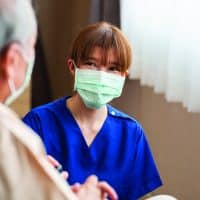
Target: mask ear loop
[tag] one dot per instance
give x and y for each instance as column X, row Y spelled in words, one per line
column 75, row 71
column 12, row 89
column 75, row 66
column 11, row 86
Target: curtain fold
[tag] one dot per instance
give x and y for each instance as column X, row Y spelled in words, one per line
column 104, row 10
column 165, row 36
column 40, row 85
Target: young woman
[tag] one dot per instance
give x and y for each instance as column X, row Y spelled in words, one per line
column 84, row 133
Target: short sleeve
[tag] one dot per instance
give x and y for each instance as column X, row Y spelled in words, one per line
column 33, row 121
column 145, row 175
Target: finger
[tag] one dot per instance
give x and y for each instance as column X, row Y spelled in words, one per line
column 106, row 188
column 105, row 196
column 76, row 187
column 91, row 180
column 65, row 175
column 57, row 166
column 52, row 160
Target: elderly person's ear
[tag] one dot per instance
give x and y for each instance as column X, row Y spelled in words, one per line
column 11, row 59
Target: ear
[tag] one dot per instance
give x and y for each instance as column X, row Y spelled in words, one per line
column 70, row 64
column 10, row 61
column 125, row 74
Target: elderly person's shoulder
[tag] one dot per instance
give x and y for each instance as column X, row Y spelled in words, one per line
column 10, row 122
column 23, row 152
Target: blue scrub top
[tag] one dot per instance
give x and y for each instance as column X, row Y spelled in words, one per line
column 119, row 154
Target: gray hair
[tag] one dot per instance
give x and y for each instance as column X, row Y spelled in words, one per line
column 17, row 22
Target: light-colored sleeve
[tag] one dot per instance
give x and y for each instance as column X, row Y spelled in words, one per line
column 25, row 173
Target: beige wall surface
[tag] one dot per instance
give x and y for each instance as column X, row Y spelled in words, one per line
column 22, row 104
column 174, row 136
column 173, row 133
column 59, row 23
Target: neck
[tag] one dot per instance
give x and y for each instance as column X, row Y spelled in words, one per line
column 4, row 91
column 84, row 114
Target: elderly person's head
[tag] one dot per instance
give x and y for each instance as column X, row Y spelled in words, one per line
column 17, row 39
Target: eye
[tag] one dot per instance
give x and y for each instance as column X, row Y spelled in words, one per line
column 90, row 64
column 114, row 68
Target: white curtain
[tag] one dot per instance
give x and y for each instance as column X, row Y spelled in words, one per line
column 165, row 36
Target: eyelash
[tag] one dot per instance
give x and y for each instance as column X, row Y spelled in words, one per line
column 114, row 68
column 91, row 63
column 110, row 68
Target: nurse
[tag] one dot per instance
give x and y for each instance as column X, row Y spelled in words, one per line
column 87, row 135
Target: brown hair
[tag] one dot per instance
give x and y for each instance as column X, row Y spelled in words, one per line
column 105, row 36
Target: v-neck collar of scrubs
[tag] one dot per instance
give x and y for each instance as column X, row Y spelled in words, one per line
column 97, row 139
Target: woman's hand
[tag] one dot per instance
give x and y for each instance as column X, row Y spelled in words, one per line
column 57, row 166
column 93, row 189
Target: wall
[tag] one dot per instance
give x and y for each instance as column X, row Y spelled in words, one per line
column 174, row 137
column 59, row 24
column 22, row 104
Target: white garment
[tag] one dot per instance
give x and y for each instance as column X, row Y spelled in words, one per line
column 161, row 197
column 25, row 173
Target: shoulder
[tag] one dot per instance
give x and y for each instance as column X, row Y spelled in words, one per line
column 45, row 113
column 17, row 128
column 6, row 112
column 128, row 123
column 119, row 115
column 6, row 116
column 53, row 106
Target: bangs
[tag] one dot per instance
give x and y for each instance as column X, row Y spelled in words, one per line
column 105, row 37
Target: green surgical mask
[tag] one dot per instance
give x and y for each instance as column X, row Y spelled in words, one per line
column 96, row 87
column 17, row 92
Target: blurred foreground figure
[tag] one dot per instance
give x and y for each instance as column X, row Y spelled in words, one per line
column 25, row 172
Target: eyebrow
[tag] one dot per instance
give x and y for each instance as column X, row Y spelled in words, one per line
column 99, row 61
column 93, row 58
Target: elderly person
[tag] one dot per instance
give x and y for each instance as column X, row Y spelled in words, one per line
column 25, row 172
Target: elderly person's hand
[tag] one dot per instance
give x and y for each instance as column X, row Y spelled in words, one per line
column 93, row 189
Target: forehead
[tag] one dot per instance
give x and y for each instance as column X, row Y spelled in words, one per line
column 99, row 54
